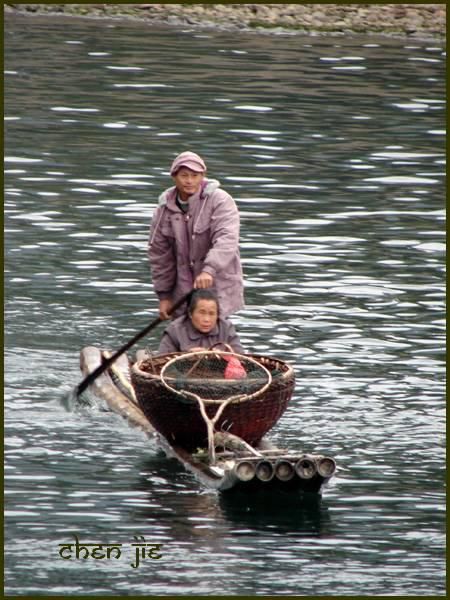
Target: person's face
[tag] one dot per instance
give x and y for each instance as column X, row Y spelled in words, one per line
column 204, row 316
column 188, row 182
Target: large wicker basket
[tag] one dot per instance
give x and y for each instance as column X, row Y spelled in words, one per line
column 179, row 420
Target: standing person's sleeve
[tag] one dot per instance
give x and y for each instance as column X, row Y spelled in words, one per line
column 161, row 256
column 225, row 226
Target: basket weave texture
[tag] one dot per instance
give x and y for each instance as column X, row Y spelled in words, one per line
column 179, row 420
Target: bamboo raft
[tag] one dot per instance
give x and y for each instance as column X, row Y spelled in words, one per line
column 243, row 458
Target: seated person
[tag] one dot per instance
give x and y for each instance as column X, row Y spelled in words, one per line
column 200, row 328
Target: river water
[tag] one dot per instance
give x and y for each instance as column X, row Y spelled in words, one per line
column 334, row 149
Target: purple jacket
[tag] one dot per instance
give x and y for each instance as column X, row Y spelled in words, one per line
column 181, row 336
column 181, row 246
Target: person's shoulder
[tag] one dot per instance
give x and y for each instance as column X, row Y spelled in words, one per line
column 212, row 189
column 167, row 197
column 218, row 197
column 172, row 326
column 225, row 323
column 176, row 323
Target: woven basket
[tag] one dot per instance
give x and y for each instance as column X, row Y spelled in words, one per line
column 179, row 420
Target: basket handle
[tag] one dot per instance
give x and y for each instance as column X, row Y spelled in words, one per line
column 227, row 346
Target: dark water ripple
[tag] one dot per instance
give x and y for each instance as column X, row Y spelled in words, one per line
column 334, row 149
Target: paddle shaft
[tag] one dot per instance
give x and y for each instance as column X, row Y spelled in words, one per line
column 107, row 362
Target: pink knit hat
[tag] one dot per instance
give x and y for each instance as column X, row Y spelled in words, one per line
column 190, row 160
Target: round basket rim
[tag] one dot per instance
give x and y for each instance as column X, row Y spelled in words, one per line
column 285, row 375
column 168, row 355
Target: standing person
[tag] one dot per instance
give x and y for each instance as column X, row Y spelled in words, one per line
column 200, row 328
column 194, row 239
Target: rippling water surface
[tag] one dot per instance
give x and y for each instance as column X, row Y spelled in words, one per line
column 334, row 149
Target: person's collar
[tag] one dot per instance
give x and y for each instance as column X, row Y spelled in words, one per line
column 182, row 204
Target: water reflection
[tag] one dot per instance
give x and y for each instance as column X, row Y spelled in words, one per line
column 296, row 515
